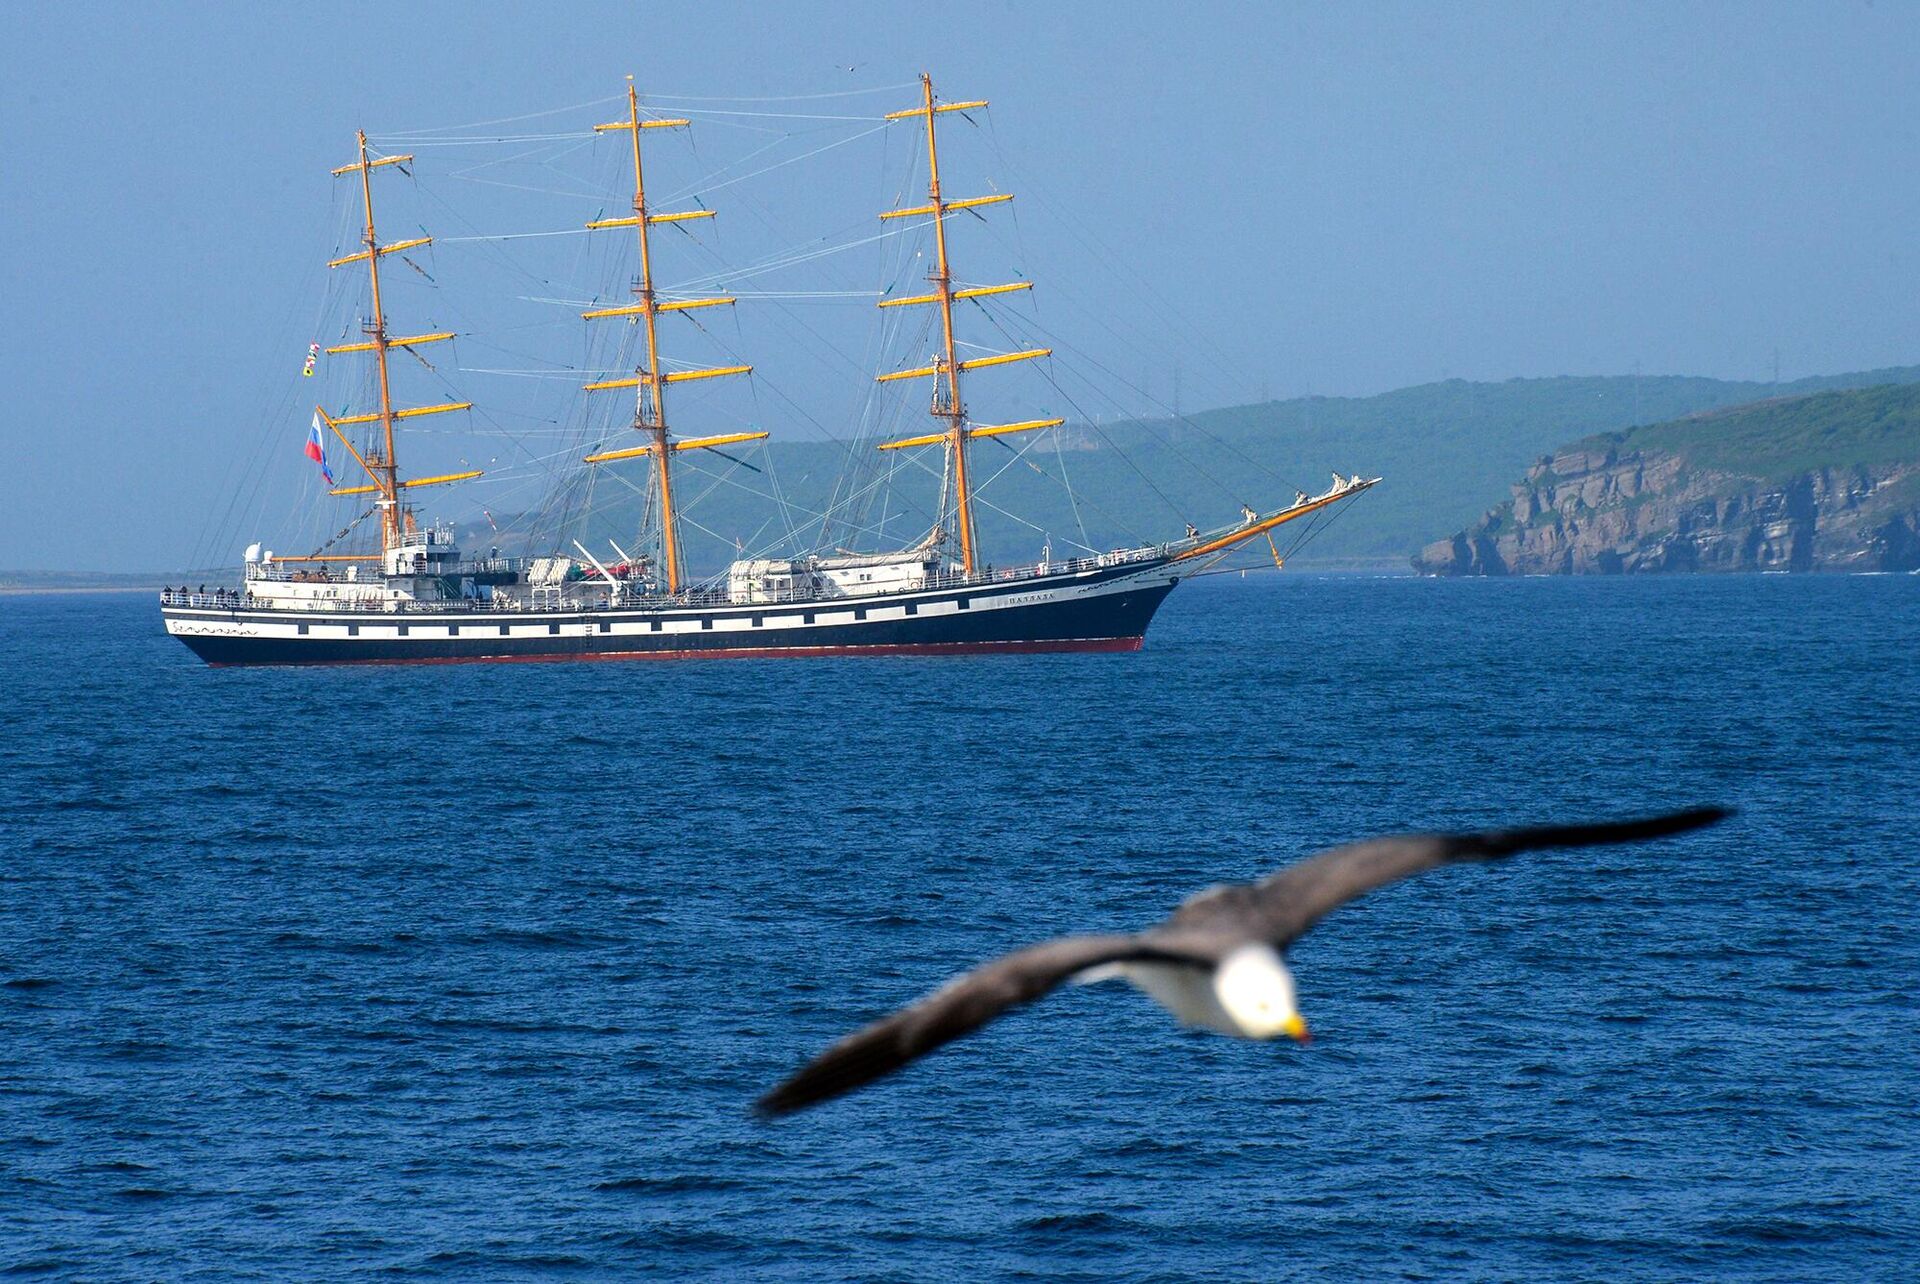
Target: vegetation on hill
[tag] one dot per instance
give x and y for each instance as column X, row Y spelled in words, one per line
column 1778, row 439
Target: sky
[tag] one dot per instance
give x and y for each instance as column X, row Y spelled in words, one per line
column 1234, row 201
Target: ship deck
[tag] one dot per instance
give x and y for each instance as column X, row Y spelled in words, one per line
column 703, row 596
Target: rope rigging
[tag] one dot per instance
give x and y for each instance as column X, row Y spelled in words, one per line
column 872, row 494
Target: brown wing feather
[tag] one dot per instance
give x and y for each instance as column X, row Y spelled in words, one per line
column 1281, row 907
column 1277, row 909
column 960, row 1007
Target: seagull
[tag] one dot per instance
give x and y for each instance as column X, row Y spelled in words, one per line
column 1216, row 963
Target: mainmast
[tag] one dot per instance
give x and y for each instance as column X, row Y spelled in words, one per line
column 649, row 410
column 947, row 404
column 382, row 464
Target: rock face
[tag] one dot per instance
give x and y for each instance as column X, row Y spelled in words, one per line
column 1604, row 507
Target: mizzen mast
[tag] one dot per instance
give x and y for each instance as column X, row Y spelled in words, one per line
column 945, row 372
column 649, row 411
column 381, row 463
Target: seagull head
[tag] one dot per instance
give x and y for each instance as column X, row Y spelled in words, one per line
column 1256, row 990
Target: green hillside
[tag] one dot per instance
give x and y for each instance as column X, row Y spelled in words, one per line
column 1777, row 440
column 1448, row 452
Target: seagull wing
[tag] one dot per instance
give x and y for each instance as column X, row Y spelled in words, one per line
column 1281, row 907
column 961, row 1006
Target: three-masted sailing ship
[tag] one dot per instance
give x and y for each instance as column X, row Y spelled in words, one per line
column 418, row 598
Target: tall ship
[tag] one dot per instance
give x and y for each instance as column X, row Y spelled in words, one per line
column 418, row 597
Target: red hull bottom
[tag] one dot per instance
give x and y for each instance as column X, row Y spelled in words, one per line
column 760, row 653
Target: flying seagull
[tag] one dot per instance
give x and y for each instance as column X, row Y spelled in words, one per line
column 1216, row 963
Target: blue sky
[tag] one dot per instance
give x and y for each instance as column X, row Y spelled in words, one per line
column 1271, row 199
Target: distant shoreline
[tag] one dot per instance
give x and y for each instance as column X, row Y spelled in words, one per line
column 24, row 590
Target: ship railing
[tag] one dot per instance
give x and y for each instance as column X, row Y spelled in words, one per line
column 282, row 572
column 480, row 566
column 372, row 603
column 940, row 580
column 209, row 599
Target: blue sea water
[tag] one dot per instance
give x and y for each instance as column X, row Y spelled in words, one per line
column 473, row 972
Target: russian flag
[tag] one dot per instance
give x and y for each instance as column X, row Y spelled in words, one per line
column 317, row 447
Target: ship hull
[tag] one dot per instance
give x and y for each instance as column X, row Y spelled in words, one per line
column 1102, row 610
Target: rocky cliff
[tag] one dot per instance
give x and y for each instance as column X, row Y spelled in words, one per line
column 1829, row 482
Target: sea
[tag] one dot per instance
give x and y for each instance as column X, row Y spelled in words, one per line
column 473, row 972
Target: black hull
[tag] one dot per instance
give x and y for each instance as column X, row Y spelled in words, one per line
column 1105, row 611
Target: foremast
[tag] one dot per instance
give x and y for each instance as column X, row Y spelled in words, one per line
column 947, row 404
column 650, row 380
column 381, row 463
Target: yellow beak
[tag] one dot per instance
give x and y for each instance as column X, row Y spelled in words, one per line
column 1296, row 1027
